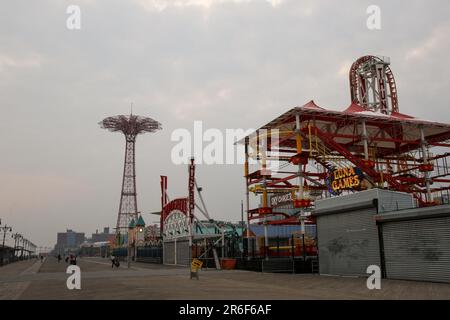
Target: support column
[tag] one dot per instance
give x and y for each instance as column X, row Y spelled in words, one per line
column 365, row 138
column 424, row 145
column 266, row 240
column 247, row 196
column 135, row 250
column 129, row 249
column 191, row 191
column 264, row 174
column 300, row 177
column 298, row 139
column 223, row 244
column 242, row 226
column 265, row 196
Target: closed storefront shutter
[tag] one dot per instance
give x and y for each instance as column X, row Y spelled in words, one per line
column 183, row 256
column 348, row 242
column 418, row 249
column 178, row 249
column 169, row 252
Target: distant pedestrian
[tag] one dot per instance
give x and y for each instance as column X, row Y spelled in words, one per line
column 73, row 259
column 67, row 259
column 42, row 258
column 59, row 258
column 115, row 262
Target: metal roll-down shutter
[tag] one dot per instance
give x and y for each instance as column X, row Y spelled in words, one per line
column 417, row 249
column 348, row 242
column 169, row 252
column 183, row 256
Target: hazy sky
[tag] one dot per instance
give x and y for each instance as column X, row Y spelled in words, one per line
column 229, row 63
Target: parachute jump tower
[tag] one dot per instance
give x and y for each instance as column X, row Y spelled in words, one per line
column 131, row 126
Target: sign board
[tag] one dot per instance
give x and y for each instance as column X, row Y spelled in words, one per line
column 174, row 219
column 195, row 265
column 348, row 178
column 282, row 200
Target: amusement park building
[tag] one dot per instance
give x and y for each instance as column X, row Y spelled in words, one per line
column 326, row 159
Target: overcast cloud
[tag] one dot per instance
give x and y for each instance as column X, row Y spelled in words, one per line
column 230, row 63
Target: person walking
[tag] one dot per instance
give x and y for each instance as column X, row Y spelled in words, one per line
column 59, row 258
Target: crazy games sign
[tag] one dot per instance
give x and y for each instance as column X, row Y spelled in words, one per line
column 282, row 200
column 348, row 178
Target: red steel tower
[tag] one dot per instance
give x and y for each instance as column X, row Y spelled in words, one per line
column 131, row 126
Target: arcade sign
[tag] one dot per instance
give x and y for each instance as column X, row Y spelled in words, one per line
column 348, row 178
column 281, row 200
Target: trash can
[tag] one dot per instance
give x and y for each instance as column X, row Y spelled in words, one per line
column 228, row 264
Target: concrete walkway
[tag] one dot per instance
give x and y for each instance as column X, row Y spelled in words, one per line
column 12, row 290
column 152, row 281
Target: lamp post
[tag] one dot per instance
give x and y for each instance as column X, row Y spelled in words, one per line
column 138, row 235
column 130, row 230
column 21, row 239
column 140, row 230
column 31, row 248
column 131, row 238
column 16, row 238
column 5, row 230
column 25, row 248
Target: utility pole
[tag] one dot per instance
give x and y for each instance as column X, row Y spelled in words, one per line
column 242, row 226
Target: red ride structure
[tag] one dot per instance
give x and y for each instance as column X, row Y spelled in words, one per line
column 372, row 84
column 321, row 153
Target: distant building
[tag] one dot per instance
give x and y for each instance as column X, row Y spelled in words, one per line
column 102, row 237
column 69, row 240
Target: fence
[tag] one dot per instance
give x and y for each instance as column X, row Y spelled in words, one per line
column 9, row 255
column 103, row 251
column 278, row 247
column 6, row 255
column 277, row 265
column 148, row 254
column 151, row 254
column 120, row 253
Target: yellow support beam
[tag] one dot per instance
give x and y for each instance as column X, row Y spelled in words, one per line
column 298, row 139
